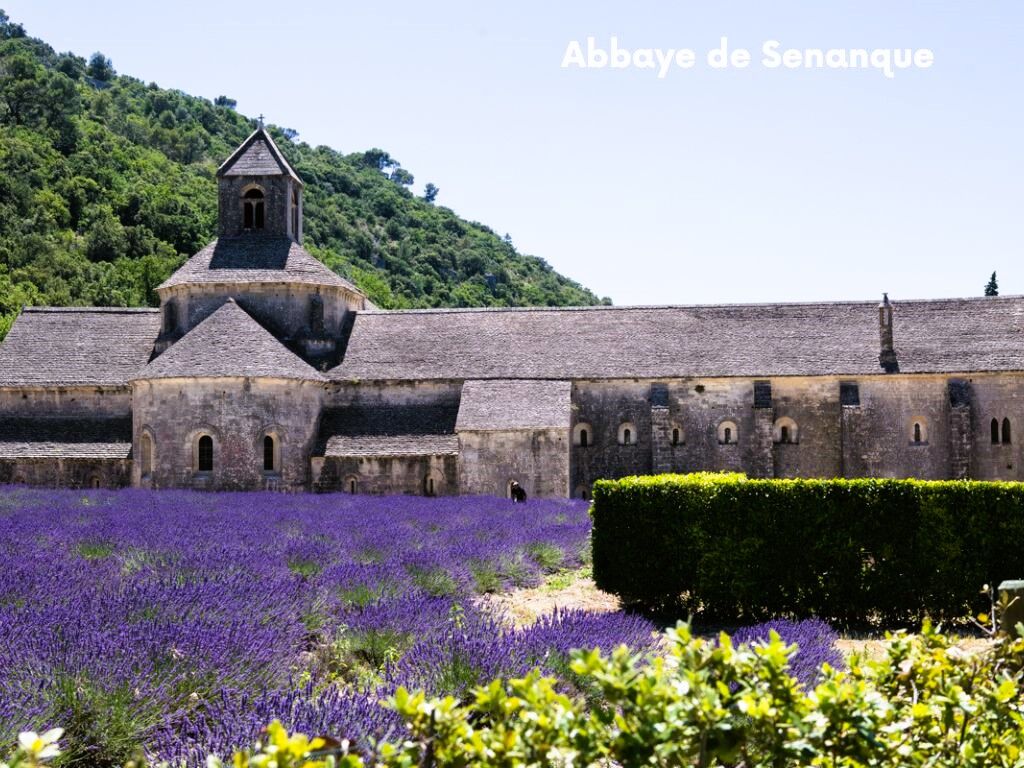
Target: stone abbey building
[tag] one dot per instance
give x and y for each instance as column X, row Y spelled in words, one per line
column 263, row 369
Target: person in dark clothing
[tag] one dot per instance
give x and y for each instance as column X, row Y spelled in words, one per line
column 517, row 493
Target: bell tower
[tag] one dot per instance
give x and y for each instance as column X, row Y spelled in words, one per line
column 259, row 193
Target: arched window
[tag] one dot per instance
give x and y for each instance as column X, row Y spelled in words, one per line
column 204, row 452
column 728, row 434
column 146, row 449
column 252, row 209
column 269, row 454
column 1006, row 432
column 432, row 483
column 917, row 432
column 785, row 431
column 582, row 492
column 627, row 433
column 350, row 484
column 582, row 434
column 94, row 481
column 995, row 431
column 677, row 435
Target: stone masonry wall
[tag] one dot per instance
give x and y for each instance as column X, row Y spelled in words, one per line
column 537, row 459
column 872, row 439
column 384, row 475
column 277, row 193
column 65, row 402
column 285, row 309
column 66, row 473
column 237, row 414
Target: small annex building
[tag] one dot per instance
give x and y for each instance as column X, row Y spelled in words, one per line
column 263, row 369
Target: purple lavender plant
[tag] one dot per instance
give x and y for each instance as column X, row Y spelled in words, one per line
column 815, row 640
column 183, row 622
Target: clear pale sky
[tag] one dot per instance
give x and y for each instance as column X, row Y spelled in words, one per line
column 707, row 186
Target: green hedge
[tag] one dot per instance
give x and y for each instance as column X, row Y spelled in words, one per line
column 854, row 551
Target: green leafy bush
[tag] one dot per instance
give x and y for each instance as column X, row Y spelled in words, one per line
column 853, row 551
column 926, row 702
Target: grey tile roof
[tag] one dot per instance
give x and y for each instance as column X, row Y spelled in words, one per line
column 229, row 343
column 258, row 155
column 509, row 404
column 402, row 430
column 840, row 338
column 50, row 346
column 397, row 445
column 45, row 438
column 255, row 258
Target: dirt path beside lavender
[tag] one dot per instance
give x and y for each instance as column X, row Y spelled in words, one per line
column 576, row 589
column 573, row 589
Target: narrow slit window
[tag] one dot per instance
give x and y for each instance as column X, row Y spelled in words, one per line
column 584, row 438
column 917, row 432
column 728, row 435
column 995, row 432
column 627, row 437
column 269, row 463
column 206, row 454
column 675, row 436
column 785, row 435
column 147, row 455
column 1006, row 432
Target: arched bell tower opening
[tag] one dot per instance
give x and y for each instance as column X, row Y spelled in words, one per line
column 259, row 192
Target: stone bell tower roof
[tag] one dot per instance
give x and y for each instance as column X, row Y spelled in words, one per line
column 258, row 155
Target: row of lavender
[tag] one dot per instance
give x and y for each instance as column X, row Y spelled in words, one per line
column 184, row 622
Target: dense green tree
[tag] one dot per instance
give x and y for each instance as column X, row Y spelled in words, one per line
column 992, row 286
column 107, row 186
column 403, row 177
column 100, row 67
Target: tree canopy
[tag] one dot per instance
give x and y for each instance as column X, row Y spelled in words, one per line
column 107, row 185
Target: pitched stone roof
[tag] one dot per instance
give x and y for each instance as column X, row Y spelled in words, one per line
column 402, row 430
column 841, row 338
column 398, row 445
column 507, row 404
column 51, row 346
column 255, row 258
column 258, row 155
column 229, row 343
column 46, row 438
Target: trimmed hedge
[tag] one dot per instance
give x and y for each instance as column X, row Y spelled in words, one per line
column 853, row 551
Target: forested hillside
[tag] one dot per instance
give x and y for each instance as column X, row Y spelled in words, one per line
column 107, row 185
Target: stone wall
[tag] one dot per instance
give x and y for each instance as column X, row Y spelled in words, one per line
column 537, row 459
column 66, row 473
column 65, row 402
column 237, row 414
column 388, row 474
column 874, row 438
column 285, row 309
column 277, row 193
column 383, row 393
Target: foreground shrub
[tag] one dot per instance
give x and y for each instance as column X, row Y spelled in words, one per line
column 709, row 703
column 852, row 551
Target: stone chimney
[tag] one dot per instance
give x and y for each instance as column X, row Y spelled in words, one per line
column 887, row 354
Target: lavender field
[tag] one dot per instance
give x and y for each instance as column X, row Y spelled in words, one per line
column 181, row 623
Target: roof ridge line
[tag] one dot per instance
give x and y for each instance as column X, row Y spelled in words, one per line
column 650, row 307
